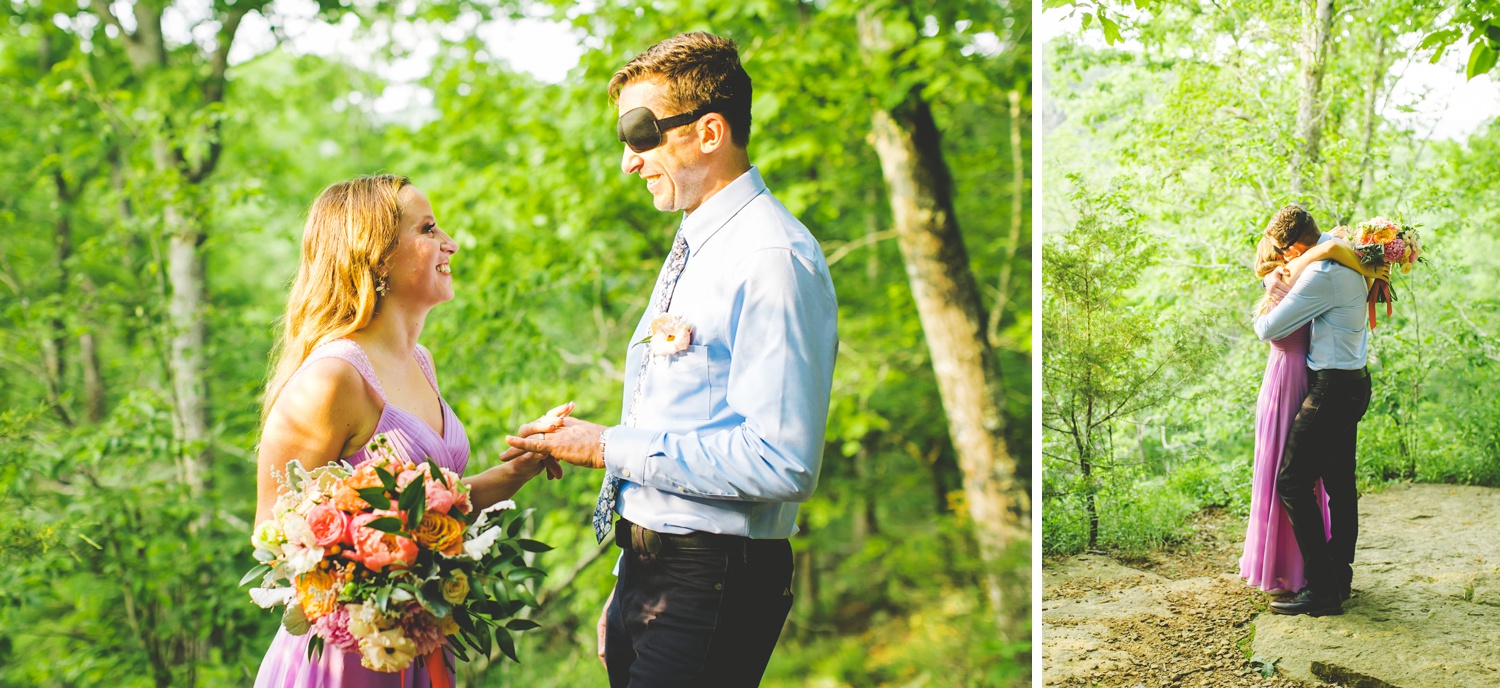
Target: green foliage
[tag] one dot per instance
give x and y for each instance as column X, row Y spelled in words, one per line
column 1107, row 358
column 1204, row 107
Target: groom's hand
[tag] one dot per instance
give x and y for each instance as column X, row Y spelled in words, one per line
column 576, row 442
column 552, row 421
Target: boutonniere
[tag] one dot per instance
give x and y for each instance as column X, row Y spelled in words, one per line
column 669, row 334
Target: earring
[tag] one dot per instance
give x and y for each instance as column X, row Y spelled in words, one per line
column 380, row 286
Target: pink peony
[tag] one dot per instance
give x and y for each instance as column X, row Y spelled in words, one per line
column 422, row 629
column 378, row 550
column 329, row 525
column 439, row 498
column 334, row 629
column 1395, row 251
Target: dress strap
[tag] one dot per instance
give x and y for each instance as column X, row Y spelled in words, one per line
column 424, row 360
column 348, row 351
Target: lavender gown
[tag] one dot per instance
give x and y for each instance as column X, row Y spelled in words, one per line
column 1271, row 560
column 285, row 664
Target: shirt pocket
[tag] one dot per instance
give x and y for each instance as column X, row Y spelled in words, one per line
column 678, row 384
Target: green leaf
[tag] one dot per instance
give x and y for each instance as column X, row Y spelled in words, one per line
column 376, row 496
column 386, row 524
column 507, row 644
column 386, row 479
column 522, row 624
column 1111, row 29
column 436, row 472
column 1481, row 60
column 414, row 502
column 465, row 621
column 515, row 526
column 533, row 545
column 383, row 597
column 254, row 573
column 1440, row 38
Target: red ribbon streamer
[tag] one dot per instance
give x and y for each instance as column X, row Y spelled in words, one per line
column 1380, row 292
column 437, row 670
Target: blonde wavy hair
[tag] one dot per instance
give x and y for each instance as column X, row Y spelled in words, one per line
column 351, row 231
column 1266, row 261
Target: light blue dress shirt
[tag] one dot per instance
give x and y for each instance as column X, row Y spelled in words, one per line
column 729, row 436
column 1331, row 297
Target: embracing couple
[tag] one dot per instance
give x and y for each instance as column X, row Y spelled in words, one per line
column 1304, row 509
column 724, row 412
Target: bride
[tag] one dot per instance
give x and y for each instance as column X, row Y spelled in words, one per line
column 349, row 366
column 1271, row 560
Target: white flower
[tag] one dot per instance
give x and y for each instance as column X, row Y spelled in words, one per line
column 301, row 548
column 270, row 597
column 268, row 536
column 387, row 651
column 479, row 546
column 364, row 620
column 670, row 334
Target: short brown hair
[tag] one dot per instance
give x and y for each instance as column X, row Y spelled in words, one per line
column 699, row 69
column 1291, row 225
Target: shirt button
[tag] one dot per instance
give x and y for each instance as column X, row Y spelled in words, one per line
column 625, row 473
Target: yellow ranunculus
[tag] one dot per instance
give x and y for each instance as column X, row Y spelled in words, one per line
column 318, row 592
column 456, row 588
column 440, row 532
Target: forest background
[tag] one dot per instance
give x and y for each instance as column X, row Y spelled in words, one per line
column 1173, row 130
column 159, row 160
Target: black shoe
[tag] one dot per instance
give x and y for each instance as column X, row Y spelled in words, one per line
column 1310, row 602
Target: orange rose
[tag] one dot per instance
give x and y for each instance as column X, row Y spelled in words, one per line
column 346, row 494
column 318, row 592
column 440, row 532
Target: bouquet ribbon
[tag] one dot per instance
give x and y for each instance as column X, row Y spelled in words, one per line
column 1380, row 292
column 437, row 671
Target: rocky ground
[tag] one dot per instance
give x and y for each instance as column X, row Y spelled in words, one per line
column 1425, row 612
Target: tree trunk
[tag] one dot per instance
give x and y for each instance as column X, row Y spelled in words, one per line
column 1015, row 116
column 1313, row 52
column 953, row 321
column 189, row 334
column 1091, row 504
column 54, row 340
column 1365, row 177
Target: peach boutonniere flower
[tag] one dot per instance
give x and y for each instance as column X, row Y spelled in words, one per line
column 669, row 334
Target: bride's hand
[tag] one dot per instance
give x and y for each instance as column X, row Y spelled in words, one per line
column 551, row 422
column 1275, row 284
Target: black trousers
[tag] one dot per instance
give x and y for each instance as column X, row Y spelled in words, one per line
column 698, row 617
column 1321, row 445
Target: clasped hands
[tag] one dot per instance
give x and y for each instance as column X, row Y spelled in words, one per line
column 553, row 438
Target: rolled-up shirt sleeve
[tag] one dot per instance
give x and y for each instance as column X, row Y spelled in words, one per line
column 783, row 342
column 1310, row 296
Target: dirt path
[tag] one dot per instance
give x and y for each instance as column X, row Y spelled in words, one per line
column 1426, row 610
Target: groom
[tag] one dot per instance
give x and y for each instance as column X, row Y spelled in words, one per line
column 726, row 406
column 1323, row 435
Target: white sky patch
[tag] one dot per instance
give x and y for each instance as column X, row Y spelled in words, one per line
column 545, row 49
column 1434, row 100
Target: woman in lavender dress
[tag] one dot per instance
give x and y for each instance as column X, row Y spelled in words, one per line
column 349, row 366
column 1271, row 560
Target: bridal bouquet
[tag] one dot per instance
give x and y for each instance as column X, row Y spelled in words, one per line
column 1382, row 242
column 389, row 560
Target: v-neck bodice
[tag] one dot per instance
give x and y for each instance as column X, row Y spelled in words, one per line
column 410, row 436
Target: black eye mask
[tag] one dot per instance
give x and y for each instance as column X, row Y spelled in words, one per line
column 642, row 131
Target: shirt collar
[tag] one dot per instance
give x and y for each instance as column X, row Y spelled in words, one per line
column 720, row 208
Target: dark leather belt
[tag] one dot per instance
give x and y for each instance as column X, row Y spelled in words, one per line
column 641, row 539
column 1341, row 375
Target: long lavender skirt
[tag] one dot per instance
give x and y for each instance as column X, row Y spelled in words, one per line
column 286, row 666
column 1271, row 560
